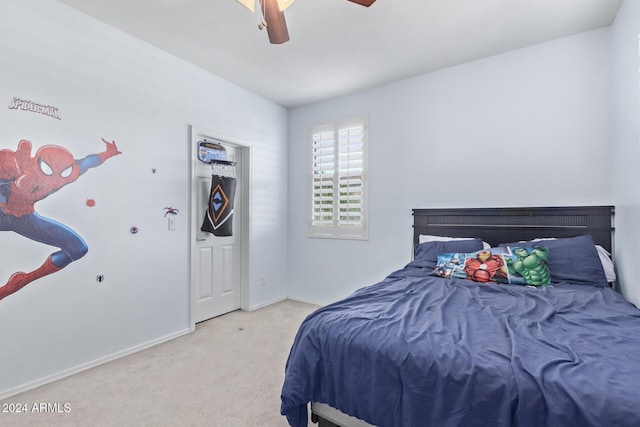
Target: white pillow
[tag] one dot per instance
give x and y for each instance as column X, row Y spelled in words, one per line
column 607, row 263
column 423, row 238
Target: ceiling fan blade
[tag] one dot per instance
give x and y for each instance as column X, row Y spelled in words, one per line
column 365, row 3
column 276, row 24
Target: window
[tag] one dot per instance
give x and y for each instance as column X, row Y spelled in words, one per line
column 338, row 180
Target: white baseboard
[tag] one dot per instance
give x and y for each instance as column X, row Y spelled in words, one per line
column 264, row 304
column 4, row 394
column 308, row 301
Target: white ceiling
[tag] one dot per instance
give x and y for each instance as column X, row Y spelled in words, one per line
column 338, row 47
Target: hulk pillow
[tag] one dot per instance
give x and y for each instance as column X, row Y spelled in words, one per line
column 517, row 265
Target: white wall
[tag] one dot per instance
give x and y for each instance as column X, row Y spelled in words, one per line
column 625, row 31
column 527, row 128
column 108, row 85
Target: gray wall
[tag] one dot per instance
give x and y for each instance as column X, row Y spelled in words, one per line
column 626, row 146
column 108, row 85
column 527, row 128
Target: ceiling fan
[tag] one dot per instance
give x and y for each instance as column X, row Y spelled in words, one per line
column 273, row 16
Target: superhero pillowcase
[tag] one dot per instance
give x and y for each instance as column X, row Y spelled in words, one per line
column 517, row 265
column 218, row 219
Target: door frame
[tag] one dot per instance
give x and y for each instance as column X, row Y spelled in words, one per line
column 243, row 153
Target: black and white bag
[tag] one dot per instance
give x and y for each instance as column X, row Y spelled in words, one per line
column 218, row 218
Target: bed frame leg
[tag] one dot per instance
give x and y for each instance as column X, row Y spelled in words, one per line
column 325, row 423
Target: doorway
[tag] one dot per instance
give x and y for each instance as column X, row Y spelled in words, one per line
column 219, row 265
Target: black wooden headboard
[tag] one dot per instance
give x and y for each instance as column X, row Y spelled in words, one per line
column 505, row 225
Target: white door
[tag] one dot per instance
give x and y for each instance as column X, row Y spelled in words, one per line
column 216, row 261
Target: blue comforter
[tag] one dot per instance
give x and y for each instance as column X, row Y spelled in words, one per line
column 417, row 350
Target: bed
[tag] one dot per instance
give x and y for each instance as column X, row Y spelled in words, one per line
column 417, row 349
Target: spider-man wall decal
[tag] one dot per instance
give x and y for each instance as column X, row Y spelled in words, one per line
column 25, row 180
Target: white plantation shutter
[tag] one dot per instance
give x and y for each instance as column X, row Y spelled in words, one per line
column 338, row 180
column 350, row 170
column 323, row 176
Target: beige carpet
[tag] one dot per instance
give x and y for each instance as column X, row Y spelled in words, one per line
column 227, row 373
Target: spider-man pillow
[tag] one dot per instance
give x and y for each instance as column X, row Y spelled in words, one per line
column 518, row 265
